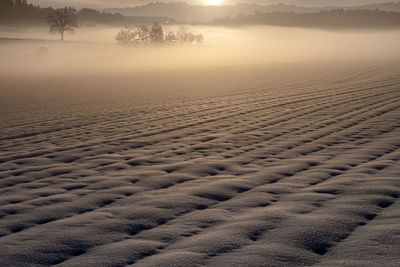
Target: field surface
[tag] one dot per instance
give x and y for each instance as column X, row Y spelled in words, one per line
column 252, row 166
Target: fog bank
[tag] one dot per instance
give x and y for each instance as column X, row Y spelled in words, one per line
column 93, row 50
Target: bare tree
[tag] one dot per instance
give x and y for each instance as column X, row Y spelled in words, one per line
column 62, row 20
column 185, row 37
column 143, row 34
column 126, row 36
column 170, row 38
column 156, row 33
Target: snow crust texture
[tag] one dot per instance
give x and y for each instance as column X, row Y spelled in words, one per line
column 255, row 170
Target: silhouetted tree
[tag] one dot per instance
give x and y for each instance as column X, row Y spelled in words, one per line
column 155, row 34
column 142, row 34
column 62, row 20
column 126, row 36
column 185, row 37
column 170, row 38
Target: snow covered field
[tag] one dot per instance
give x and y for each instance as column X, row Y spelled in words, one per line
column 283, row 165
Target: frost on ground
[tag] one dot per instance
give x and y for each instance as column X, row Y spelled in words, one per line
column 277, row 166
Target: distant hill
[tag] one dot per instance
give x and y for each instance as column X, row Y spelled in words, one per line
column 101, row 4
column 328, row 19
column 21, row 13
column 201, row 14
column 389, row 6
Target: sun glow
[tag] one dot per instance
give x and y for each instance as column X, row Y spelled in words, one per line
column 213, row 2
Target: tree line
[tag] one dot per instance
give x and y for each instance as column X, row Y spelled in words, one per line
column 337, row 18
column 22, row 13
column 13, row 12
column 154, row 34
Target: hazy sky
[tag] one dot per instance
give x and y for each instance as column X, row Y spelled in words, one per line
column 125, row 3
